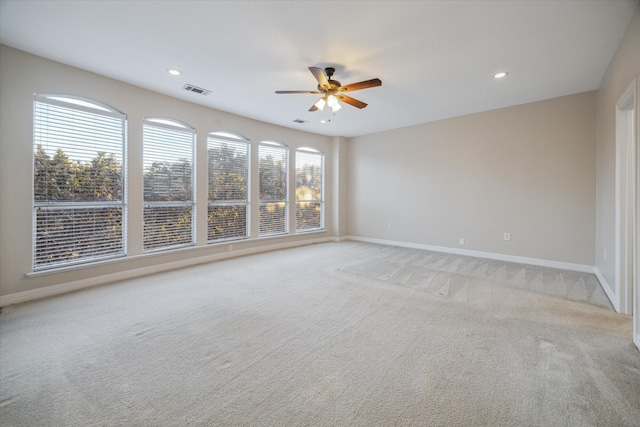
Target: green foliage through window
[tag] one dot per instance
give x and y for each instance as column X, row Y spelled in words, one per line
column 228, row 178
column 273, row 189
column 168, row 155
column 309, row 191
column 79, row 184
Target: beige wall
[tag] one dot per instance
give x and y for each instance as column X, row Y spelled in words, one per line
column 340, row 202
column 624, row 68
column 528, row 170
column 22, row 75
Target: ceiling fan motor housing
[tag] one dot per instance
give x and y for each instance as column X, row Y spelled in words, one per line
column 333, row 84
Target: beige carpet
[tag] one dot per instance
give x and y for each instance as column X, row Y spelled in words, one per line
column 339, row 334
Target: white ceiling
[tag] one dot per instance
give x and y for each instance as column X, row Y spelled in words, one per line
column 435, row 58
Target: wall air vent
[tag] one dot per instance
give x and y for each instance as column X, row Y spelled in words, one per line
column 196, row 89
column 300, row 121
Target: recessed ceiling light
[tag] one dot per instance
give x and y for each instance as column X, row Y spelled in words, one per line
column 323, row 121
column 500, row 75
column 174, row 71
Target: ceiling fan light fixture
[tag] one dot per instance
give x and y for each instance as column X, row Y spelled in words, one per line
column 320, row 103
column 332, row 101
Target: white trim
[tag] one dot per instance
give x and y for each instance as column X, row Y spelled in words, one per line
column 607, row 289
column 624, row 198
column 310, row 150
column 166, row 123
column 34, row 294
column 85, row 104
column 635, row 226
column 479, row 254
column 273, row 144
column 224, row 135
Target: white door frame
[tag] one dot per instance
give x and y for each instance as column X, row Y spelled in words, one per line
column 627, row 221
column 636, row 273
column 636, row 234
column 625, row 203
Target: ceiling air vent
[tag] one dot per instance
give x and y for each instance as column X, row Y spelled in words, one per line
column 300, row 121
column 196, row 89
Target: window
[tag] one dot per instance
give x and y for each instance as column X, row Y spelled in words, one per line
column 168, row 159
column 228, row 165
column 79, row 180
column 272, row 182
column 309, row 189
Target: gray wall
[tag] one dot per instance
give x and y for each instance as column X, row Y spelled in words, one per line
column 528, row 170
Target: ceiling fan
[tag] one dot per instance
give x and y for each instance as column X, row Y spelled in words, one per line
column 332, row 91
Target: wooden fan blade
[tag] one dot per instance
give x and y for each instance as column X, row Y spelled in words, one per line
column 298, row 91
column 351, row 101
column 361, row 85
column 320, row 76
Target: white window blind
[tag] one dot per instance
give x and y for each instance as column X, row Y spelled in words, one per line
column 273, row 202
column 78, row 182
column 228, row 167
column 168, row 159
column 309, row 190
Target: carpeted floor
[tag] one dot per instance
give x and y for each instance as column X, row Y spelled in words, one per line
column 337, row 334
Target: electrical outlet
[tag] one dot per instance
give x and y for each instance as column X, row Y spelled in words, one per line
column 507, row 236
column 462, row 241
column 230, row 248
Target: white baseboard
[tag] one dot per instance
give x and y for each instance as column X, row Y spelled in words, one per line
column 607, row 289
column 479, row 254
column 48, row 291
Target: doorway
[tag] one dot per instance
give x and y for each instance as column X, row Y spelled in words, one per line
column 627, row 283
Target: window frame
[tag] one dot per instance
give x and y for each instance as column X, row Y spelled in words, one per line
column 321, row 200
column 273, row 145
column 174, row 126
column 84, row 106
column 234, row 139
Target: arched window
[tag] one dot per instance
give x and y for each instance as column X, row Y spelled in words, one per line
column 79, row 181
column 273, row 200
column 228, row 158
column 309, row 189
column 169, row 199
